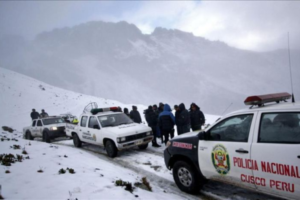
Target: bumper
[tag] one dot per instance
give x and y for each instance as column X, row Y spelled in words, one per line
column 167, row 157
column 134, row 143
column 56, row 134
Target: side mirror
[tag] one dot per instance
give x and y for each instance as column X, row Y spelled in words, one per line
column 96, row 127
column 204, row 135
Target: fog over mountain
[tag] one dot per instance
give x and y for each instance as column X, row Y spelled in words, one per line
column 117, row 61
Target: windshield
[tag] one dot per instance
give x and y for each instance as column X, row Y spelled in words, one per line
column 53, row 121
column 114, row 120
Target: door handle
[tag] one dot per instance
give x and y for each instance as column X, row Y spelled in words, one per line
column 298, row 157
column 241, row 151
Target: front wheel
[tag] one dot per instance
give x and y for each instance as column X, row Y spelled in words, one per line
column 77, row 142
column 111, row 149
column 143, row 146
column 46, row 137
column 186, row 177
column 28, row 136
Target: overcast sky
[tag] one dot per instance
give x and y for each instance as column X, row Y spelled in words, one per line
column 253, row 25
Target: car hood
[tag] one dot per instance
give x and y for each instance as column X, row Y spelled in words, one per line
column 187, row 135
column 128, row 129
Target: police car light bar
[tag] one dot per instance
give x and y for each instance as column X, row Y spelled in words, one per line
column 97, row 110
column 267, row 98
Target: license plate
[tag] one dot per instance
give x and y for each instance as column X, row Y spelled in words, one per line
column 139, row 142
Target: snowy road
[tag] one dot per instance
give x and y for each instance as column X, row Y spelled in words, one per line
column 150, row 163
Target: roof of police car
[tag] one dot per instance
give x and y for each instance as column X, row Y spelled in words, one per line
column 270, row 107
column 102, row 113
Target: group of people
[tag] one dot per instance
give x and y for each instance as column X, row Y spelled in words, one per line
column 35, row 115
column 162, row 121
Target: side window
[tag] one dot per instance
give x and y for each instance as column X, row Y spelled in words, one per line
column 33, row 123
column 279, row 128
column 233, row 129
column 93, row 123
column 83, row 121
column 39, row 123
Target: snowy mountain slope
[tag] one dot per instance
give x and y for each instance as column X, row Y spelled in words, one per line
column 20, row 94
column 95, row 174
column 117, row 61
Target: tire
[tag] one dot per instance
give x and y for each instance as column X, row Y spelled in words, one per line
column 28, row 136
column 186, row 177
column 111, row 149
column 77, row 142
column 46, row 137
column 143, row 146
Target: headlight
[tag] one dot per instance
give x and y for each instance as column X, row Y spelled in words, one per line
column 149, row 133
column 168, row 144
column 53, row 128
column 121, row 139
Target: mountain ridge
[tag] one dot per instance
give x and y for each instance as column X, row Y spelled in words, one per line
column 117, row 61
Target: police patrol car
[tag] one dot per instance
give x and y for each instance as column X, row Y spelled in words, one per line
column 256, row 148
column 110, row 128
column 47, row 128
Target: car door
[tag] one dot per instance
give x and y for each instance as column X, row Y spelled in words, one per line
column 224, row 155
column 39, row 128
column 94, row 130
column 34, row 128
column 84, row 135
column 277, row 150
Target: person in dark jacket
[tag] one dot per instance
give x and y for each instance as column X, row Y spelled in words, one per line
column 160, row 108
column 176, row 108
column 34, row 114
column 166, row 122
column 151, row 119
column 44, row 114
column 135, row 115
column 183, row 120
column 158, row 133
column 197, row 117
column 126, row 112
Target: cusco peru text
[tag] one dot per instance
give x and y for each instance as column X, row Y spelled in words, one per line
column 268, row 167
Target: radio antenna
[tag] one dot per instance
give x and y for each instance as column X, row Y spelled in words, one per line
column 293, row 99
column 226, row 109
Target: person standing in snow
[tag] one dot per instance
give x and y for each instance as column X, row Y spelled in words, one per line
column 34, row 114
column 197, row 117
column 183, row 120
column 151, row 119
column 166, row 122
column 126, row 112
column 156, row 111
column 44, row 114
column 135, row 115
column 160, row 108
column 176, row 108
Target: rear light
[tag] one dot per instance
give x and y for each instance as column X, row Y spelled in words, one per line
column 262, row 99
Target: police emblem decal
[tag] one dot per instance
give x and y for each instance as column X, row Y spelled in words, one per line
column 220, row 159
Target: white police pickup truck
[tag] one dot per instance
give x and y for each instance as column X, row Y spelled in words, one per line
column 47, row 128
column 110, row 128
column 256, row 148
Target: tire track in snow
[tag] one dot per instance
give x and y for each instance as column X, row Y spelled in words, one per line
column 165, row 184
column 211, row 190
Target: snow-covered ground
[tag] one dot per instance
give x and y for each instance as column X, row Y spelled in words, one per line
column 95, row 173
